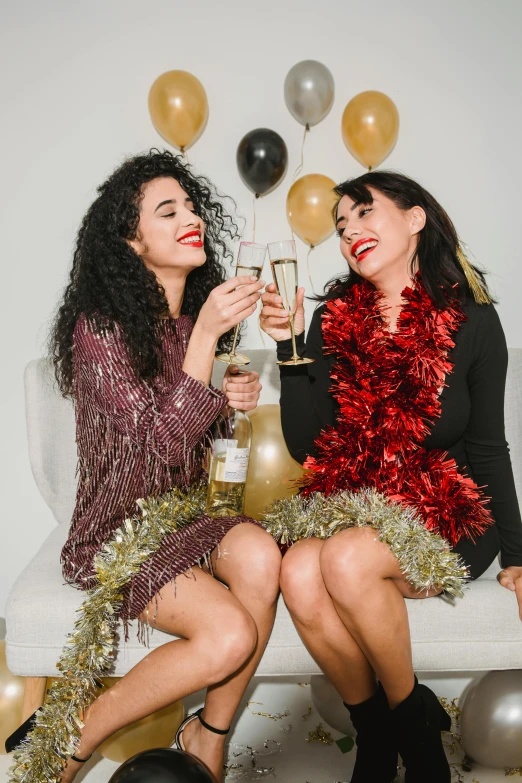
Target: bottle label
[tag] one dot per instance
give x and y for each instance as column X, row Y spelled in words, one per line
column 236, row 465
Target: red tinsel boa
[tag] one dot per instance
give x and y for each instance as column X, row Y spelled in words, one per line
column 388, row 388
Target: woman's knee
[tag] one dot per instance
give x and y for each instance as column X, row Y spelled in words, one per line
column 301, row 581
column 253, row 563
column 353, row 556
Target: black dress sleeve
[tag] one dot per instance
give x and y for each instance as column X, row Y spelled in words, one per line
column 486, row 446
column 306, row 403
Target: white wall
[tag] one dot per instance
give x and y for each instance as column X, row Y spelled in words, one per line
column 75, row 79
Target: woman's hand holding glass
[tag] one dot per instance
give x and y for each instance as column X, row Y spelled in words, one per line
column 274, row 320
column 229, row 304
column 250, row 261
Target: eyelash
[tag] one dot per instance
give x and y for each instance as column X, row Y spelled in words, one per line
column 362, row 212
column 172, row 214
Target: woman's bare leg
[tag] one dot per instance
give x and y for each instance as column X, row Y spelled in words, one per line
column 319, row 625
column 368, row 589
column 218, row 636
column 249, row 562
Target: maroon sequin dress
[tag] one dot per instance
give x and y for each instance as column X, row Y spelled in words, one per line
column 137, row 439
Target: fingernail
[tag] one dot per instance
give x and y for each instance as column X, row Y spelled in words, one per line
column 512, row 587
column 253, row 279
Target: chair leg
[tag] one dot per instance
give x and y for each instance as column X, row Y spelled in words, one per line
column 34, row 695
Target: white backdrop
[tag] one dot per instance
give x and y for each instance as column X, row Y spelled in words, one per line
column 74, row 84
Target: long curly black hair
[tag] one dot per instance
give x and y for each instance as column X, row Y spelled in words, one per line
column 110, row 283
column 436, row 253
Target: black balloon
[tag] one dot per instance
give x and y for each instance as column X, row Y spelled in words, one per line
column 262, row 158
column 162, row 765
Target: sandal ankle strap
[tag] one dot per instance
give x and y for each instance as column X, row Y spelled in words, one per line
column 80, row 761
column 208, row 726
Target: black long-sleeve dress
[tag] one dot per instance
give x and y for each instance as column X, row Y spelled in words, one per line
column 470, row 427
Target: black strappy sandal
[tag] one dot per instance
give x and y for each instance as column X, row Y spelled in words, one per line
column 21, row 733
column 179, row 740
column 80, row 761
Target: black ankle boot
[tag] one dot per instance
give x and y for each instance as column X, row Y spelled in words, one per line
column 376, row 747
column 418, row 722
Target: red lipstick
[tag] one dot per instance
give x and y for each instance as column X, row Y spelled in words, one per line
column 192, row 234
column 365, row 253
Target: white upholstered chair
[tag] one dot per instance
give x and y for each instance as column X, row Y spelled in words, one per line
column 480, row 632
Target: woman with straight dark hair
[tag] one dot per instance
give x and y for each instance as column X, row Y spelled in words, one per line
column 405, row 398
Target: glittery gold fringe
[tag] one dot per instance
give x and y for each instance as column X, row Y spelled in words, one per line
column 480, row 295
column 89, row 651
column 424, row 557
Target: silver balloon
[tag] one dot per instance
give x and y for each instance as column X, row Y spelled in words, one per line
column 309, row 92
column 491, row 720
column 329, row 705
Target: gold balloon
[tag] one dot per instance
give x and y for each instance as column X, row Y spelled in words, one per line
column 271, row 470
column 370, row 127
column 178, row 106
column 11, row 699
column 155, row 731
column 309, row 206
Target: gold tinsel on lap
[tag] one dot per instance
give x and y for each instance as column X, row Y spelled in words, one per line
column 89, row 651
column 424, row 557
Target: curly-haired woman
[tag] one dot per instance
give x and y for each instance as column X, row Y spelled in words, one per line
column 405, row 396
column 134, row 343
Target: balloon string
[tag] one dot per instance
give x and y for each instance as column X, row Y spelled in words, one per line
column 184, row 154
column 254, row 218
column 308, row 268
column 300, row 167
column 256, row 196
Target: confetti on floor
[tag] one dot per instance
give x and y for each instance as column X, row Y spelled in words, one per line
column 272, row 746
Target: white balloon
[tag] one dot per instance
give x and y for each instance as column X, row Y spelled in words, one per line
column 309, row 92
column 329, row 705
column 491, row 719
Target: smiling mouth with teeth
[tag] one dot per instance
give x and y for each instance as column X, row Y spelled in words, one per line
column 362, row 248
column 192, row 238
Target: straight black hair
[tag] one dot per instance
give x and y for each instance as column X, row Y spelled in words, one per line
column 436, row 254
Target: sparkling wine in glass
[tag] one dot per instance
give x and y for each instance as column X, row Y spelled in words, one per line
column 250, row 261
column 283, row 262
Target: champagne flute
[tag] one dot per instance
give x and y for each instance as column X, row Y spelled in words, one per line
column 250, row 261
column 283, row 262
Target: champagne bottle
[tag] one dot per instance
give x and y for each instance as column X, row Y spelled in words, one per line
column 228, row 469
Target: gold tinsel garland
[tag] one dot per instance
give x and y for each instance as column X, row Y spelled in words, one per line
column 424, row 557
column 89, row 651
